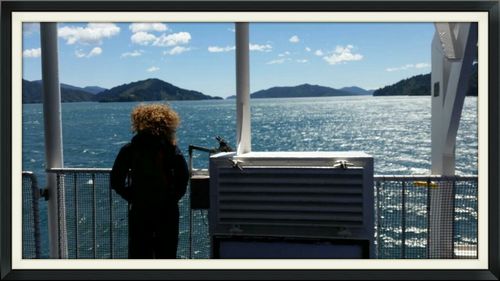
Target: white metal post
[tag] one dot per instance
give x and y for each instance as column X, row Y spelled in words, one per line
column 53, row 137
column 453, row 49
column 243, row 137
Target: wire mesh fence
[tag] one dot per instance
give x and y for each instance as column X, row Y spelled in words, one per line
column 421, row 217
column 465, row 229
column 95, row 218
column 31, row 216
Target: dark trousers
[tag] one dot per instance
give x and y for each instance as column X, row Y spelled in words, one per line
column 153, row 234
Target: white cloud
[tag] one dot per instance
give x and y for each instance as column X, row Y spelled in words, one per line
column 319, row 53
column 216, row 49
column 176, row 50
column 287, row 53
column 343, row 54
column 252, row 47
column 172, row 39
column 294, row 39
column 142, row 38
column 32, row 53
column 80, row 54
column 422, row 65
column 231, row 29
column 164, row 40
column 93, row 33
column 404, row 67
column 302, row 61
column 94, row 52
column 308, row 49
column 260, row 48
column 278, row 61
column 408, row 66
column 137, row 27
column 153, row 69
column 135, row 53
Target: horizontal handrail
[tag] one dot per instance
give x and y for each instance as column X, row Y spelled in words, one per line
column 79, row 170
column 375, row 177
column 32, row 177
column 97, row 171
column 423, row 177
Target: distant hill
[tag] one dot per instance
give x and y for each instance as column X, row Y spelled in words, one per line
column 300, row 91
column 90, row 89
column 149, row 90
column 306, row 90
column 421, row 85
column 32, row 93
column 357, row 90
column 94, row 89
column 146, row 90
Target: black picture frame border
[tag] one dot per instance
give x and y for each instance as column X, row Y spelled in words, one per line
column 7, row 7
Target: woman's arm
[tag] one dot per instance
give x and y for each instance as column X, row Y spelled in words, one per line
column 181, row 175
column 119, row 173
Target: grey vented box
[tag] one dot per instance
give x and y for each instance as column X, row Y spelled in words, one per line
column 321, row 195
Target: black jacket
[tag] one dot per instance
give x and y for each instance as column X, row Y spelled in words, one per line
column 150, row 173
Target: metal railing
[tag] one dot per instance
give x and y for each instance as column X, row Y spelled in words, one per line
column 31, row 216
column 97, row 218
column 97, row 224
column 403, row 215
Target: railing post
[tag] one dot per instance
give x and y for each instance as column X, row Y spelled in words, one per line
column 428, row 217
column 243, row 138
column 379, row 216
column 94, row 215
column 53, row 136
column 403, row 220
column 35, row 196
column 77, row 215
column 111, row 241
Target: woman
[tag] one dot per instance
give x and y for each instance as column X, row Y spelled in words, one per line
column 151, row 173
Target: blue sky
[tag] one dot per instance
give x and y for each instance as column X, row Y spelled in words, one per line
column 201, row 56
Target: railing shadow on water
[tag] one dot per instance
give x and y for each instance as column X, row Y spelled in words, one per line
column 97, row 218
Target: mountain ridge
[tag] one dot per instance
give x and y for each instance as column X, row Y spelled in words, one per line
column 32, row 93
column 420, row 85
column 306, row 90
column 152, row 89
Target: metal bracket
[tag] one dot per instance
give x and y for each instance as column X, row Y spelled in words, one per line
column 236, row 164
column 44, row 193
column 344, row 164
column 235, row 229
column 344, row 232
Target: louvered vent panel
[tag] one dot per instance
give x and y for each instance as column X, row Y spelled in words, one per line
column 291, row 196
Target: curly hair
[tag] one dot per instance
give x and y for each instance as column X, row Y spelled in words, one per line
column 156, row 119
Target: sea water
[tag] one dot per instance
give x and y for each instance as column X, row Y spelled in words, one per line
column 396, row 131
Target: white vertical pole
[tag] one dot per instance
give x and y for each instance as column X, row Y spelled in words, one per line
column 453, row 49
column 53, row 135
column 243, row 135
